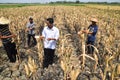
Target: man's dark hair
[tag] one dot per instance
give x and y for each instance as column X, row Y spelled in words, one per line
column 30, row 18
column 51, row 21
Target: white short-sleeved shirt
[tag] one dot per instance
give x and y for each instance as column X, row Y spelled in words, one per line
column 29, row 25
column 50, row 33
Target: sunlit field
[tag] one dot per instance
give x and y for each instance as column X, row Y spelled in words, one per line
column 72, row 62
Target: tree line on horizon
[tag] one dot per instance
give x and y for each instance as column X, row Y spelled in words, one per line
column 79, row 2
column 69, row 2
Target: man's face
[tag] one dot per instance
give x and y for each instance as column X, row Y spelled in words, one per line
column 31, row 20
column 93, row 22
column 48, row 24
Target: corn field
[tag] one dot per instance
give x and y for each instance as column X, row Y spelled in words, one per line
column 72, row 61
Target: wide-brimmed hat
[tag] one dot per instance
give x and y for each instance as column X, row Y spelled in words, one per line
column 4, row 21
column 94, row 20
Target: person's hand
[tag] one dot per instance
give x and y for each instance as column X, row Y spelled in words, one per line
column 3, row 37
column 13, row 35
column 27, row 30
column 31, row 28
column 85, row 31
column 41, row 37
column 49, row 39
column 79, row 33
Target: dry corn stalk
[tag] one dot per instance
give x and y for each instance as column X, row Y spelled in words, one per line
column 67, row 60
column 107, row 66
column 95, row 56
column 118, row 69
column 27, row 70
column 74, row 74
column 40, row 50
column 82, row 37
column 30, row 67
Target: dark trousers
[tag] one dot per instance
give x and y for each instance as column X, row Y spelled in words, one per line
column 29, row 38
column 11, row 51
column 90, row 48
column 48, row 57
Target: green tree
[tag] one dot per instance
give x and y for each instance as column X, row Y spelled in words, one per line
column 77, row 1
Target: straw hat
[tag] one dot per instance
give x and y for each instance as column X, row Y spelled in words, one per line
column 4, row 21
column 94, row 20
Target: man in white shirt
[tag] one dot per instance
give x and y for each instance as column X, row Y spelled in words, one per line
column 31, row 32
column 50, row 35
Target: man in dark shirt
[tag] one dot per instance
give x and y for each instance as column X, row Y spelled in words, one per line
column 6, row 37
column 91, row 37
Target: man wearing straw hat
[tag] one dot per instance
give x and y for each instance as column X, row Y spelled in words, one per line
column 91, row 37
column 6, row 37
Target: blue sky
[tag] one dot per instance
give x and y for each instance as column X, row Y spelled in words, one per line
column 44, row 1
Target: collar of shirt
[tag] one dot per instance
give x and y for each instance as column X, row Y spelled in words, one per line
column 31, row 23
column 51, row 28
column 93, row 25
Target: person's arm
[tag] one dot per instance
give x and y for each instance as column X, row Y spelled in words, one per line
column 42, row 37
column 27, row 28
column 10, row 36
column 94, row 31
column 33, row 27
column 87, row 31
column 51, row 39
